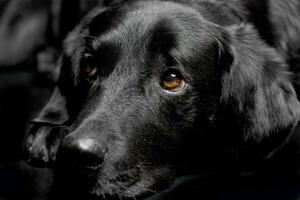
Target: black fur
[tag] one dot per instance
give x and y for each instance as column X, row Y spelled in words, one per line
column 239, row 103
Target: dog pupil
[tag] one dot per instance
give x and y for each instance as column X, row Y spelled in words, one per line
column 171, row 77
column 89, row 69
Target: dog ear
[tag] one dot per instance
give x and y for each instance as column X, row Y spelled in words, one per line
column 258, row 105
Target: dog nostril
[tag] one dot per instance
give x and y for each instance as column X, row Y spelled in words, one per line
column 84, row 151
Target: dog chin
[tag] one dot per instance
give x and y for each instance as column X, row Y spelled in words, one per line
column 94, row 184
column 136, row 191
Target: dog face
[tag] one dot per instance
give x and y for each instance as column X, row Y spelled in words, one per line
column 149, row 89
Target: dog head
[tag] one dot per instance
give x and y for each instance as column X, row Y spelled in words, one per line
column 152, row 90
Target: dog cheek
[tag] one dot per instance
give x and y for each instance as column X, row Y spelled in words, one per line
column 153, row 146
column 158, row 135
column 155, row 156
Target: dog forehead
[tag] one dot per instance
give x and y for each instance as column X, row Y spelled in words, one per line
column 134, row 21
column 151, row 25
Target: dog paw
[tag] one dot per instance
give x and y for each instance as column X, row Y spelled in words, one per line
column 42, row 144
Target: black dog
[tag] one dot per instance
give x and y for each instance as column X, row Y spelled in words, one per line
column 151, row 90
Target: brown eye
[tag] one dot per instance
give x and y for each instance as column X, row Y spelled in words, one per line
column 89, row 68
column 173, row 81
column 90, row 71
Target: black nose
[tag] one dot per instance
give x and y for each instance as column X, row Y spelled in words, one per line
column 86, row 152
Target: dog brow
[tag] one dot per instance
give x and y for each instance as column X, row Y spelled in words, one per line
column 104, row 21
column 163, row 38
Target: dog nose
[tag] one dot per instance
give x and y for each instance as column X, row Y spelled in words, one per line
column 83, row 152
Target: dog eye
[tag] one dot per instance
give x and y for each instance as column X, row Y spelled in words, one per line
column 173, row 81
column 90, row 71
column 88, row 67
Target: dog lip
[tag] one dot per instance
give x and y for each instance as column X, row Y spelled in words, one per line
column 143, row 195
column 90, row 167
column 87, row 168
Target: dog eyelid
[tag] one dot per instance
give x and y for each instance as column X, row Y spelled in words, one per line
column 87, row 56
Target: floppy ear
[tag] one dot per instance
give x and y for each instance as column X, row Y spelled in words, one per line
column 259, row 106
